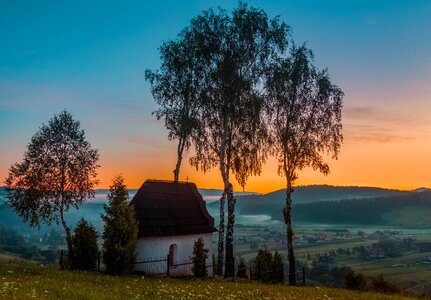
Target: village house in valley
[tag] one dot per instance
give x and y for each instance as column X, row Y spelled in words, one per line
column 171, row 217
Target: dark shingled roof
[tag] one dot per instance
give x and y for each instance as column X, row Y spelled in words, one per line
column 165, row 208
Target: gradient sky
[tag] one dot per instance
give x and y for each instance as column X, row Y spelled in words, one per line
column 89, row 58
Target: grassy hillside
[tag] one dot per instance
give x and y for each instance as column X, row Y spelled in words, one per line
column 409, row 216
column 22, row 281
column 411, row 209
column 6, row 258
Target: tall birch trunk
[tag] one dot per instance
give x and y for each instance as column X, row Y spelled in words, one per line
column 230, row 263
column 67, row 231
column 228, row 192
column 180, row 150
column 220, row 254
column 288, row 220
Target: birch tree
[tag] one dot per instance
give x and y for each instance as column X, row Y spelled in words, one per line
column 304, row 113
column 58, row 172
column 176, row 89
column 236, row 49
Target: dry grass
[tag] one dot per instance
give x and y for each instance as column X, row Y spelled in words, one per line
column 23, row 281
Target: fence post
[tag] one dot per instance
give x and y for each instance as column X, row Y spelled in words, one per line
column 249, row 274
column 168, row 265
column 213, row 265
column 61, row 259
column 303, row 276
column 205, row 268
column 98, row 261
column 258, row 271
column 123, row 265
column 282, row 272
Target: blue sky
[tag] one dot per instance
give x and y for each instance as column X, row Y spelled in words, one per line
column 89, row 57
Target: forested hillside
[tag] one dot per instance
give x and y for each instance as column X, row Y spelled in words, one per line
column 342, row 205
column 409, row 209
column 272, row 203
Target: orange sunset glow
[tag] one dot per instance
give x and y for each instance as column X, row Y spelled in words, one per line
column 384, row 73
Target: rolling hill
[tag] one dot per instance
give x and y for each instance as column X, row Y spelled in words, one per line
column 252, row 204
column 22, row 281
column 339, row 205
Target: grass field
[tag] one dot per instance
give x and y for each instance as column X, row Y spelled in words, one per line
column 10, row 258
column 25, row 281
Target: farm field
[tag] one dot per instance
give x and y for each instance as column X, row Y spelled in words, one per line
column 25, row 281
column 409, row 271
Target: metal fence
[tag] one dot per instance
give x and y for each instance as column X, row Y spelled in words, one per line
column 258, row 273
column 155, row 266
column 152, row 266
column 162, row 266
column 64, row 263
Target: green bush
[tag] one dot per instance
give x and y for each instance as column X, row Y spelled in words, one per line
column 357, row 281
column 379, row 284
column 84, row 245
column 354, row 281
column 277, row 268
column 200, row 254
column 269, row 268
column 242, row 269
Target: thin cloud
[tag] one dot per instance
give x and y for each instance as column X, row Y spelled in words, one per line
column 146, row 141
column 359, row 133
column 372, row 124
column 377, row 115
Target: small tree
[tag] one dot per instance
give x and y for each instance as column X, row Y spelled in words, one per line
column 277, row 268
column 263, row 264
column 120, row 232
column 380, row 285
column 242, row 269
column 269, row 267
column 200, row 254
column 58, row 172
column 84, row 244
column 354, row 281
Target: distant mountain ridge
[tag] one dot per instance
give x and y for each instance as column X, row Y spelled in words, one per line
column 308, row 194
column 302, row 194
column 319, row 204
column 100, row 194
column 323, row 204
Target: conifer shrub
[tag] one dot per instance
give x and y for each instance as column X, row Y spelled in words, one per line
column 242, row 269
column 268, row 268
column 120, row 231
column 354, row 281
column 277, row 268
column 84, row 245
column 200, row 254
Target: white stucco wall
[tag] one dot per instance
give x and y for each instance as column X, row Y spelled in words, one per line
column 153, row 248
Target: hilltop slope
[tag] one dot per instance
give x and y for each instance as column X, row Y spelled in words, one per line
column 29, row 281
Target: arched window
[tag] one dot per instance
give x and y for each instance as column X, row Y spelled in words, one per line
column 172, row 254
